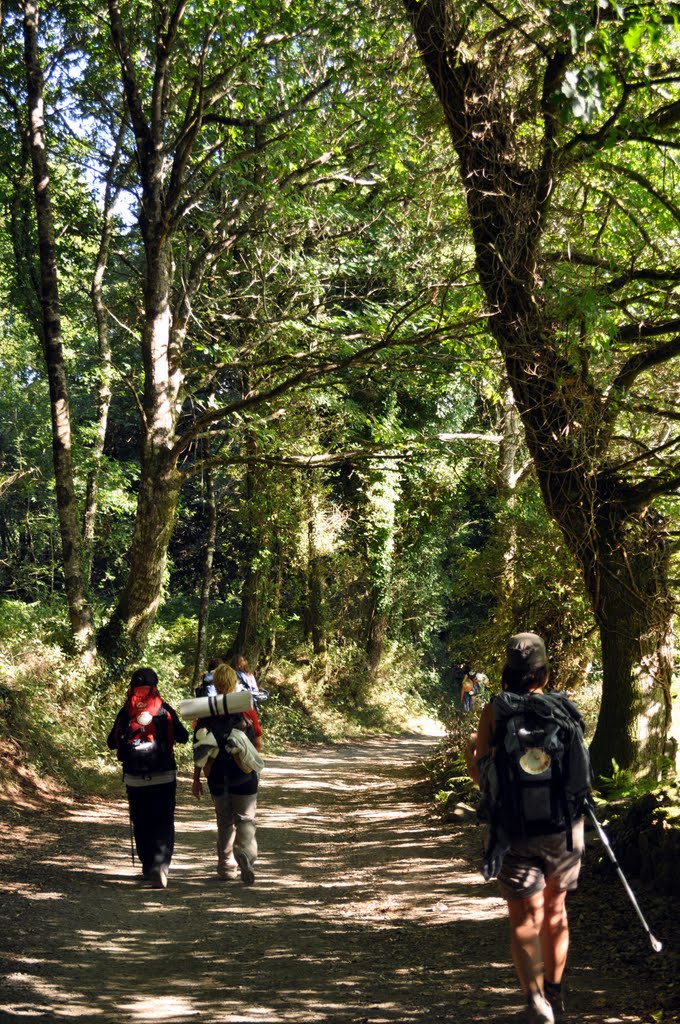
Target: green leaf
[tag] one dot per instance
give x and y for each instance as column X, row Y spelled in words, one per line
column 633, row 36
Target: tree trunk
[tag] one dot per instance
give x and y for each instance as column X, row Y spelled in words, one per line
column 274, row 600
column 105, row 364
column 506, row 482
column 206, row 581
column 69, row 527
column 566, row 418
column 375, row 642
column 246, row 641
column 630, row 595
column 380, row 516
column 160, row 482
column 315, row 624
column 123, row 639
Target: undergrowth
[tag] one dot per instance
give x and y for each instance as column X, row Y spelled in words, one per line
column 55, row 717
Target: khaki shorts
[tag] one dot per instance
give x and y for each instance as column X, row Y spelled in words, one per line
column 530, row 862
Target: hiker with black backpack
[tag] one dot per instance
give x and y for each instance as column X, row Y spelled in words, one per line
column 143, row 734
column 226, row 749
column 532, row 766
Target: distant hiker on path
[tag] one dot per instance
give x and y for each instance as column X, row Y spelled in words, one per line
column 207, row 687
column 232, row 780
column 532, row 766
column 143, row 734
column 247, row 680
column 466, row 690
column 473, row 684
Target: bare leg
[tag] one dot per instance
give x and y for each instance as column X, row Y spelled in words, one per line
column 526, row 923
column 555, row 934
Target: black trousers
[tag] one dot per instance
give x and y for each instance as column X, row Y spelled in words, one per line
column 152, row 809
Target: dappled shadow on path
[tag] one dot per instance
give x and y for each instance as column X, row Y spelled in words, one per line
column 365, row 909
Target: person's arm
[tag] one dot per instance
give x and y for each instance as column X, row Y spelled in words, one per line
column 112, row 738
column 178, row 729
column 480, row 743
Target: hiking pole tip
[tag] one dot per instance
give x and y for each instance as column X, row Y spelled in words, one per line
column 656, row 945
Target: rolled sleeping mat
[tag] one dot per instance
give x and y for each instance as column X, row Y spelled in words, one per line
column 221, row 704
column 205, row 747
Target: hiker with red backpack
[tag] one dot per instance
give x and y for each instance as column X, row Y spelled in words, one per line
column 533, row 769
column 226, row 750
column 144, row 734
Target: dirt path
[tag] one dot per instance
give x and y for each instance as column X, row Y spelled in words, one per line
column 365, row 909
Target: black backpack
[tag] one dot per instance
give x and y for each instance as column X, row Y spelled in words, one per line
column 224, row 764
column 145, row 734
column 221, row 726
column 538, row 779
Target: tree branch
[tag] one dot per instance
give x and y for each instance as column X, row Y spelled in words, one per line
column 263, row 122
column 650, row 453
column 412, row 449
column 667, row 414
column 139, row 123
column 642, row 361
column 322, row 369
column 640, row 179
column 653, row 487
column 636, row 332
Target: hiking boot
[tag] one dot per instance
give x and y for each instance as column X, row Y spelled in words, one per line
column 553, row 993
column 539, row 1010
column 228, row 874
column 247, row 873
column 159, row 876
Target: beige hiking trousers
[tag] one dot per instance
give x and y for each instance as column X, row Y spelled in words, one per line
column 236, row 824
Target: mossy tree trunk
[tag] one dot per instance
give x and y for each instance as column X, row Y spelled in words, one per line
column 379, row 512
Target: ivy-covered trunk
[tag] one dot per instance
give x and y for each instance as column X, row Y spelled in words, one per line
column 382, row 489
column 122, row 640
column 506, row 531
column 315, row 617
column 163, row 333
column 104, row 392
column 160, row 483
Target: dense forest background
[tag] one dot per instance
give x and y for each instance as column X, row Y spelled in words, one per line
column 345, row 337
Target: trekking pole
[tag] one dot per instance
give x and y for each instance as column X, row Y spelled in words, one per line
column 656, row 945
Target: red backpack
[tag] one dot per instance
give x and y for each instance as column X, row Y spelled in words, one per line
column 145, row 733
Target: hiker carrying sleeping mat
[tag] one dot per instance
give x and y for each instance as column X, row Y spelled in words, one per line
column 226, row 749
column 533, row 769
